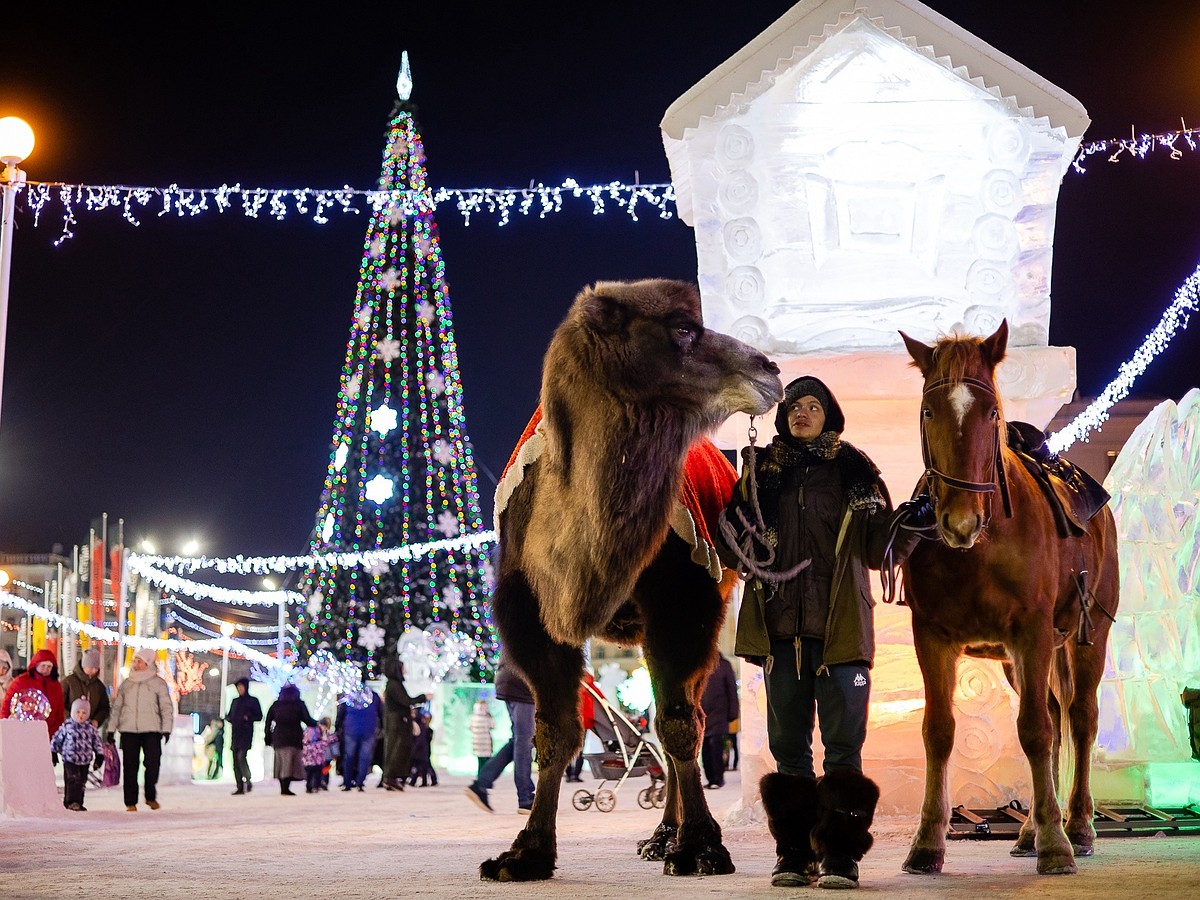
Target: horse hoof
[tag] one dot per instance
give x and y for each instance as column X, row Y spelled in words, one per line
column 922, row 861
column 713, row 860
column 517, row 865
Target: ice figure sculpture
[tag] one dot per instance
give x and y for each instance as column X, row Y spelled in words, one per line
column 864, row 167
column 1154, row 649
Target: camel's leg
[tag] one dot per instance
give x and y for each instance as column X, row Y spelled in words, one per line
column 938, row 663
column 552, row 671
column 1032, row 668
column 683, row 610
column 656, row 846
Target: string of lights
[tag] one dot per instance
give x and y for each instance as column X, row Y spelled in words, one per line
column 315, row 203
column 178, row 604
column 262, row 565
column 184, row 622
column 172, row 583
column 1138, row 146
column 1173, row 320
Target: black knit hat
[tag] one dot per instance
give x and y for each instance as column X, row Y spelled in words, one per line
column 808, row 386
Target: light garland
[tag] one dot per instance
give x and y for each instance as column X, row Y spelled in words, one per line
column 172, row 583
column 237, row 626
column 278, row 203
column 1138, row 146
column 262, row 565
column 1174, row 319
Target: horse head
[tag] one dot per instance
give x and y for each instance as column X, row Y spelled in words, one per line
column 961, row 429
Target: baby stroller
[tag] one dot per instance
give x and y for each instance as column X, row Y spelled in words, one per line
column 628, row 753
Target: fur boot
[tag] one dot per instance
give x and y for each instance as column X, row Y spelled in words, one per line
column 790, row 802
column 842, row 835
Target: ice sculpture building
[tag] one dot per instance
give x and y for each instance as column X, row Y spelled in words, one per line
column 864, row 167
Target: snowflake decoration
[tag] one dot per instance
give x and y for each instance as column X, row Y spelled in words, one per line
column 378, row 567
column 341, row 455
column 314, row 604
column 377, row 246
column 371, row 637
column 387, row 349
column 424, row 245
column 327, row 528
column 442, row 452
column 452, row 597
column 392, row 601
column 390, row 279
column 396, row 214
column 426, row 311
column 383, row 420
column 436, row 382
column 364, row 317
column 380, row 488
column 447, row 523
column 399, row 147
column 353, row 385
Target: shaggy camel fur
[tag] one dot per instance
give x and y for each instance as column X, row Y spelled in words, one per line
column 631, row 380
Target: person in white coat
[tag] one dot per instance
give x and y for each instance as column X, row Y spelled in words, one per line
column 143, row 714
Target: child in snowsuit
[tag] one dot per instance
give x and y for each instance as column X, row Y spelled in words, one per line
column 79, row 743
column 314, row 754
column 480, row 725
column 422, row 764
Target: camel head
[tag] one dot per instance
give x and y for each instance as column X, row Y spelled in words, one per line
column 643, row 343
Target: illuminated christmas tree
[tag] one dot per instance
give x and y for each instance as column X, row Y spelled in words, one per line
column 401, row 503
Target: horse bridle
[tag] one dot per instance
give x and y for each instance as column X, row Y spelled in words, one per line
column 974, row 487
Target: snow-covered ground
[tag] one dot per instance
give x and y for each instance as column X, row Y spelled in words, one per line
column 428, row 842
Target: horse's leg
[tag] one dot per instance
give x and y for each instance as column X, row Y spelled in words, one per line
column 938, row 663
column 552, row 671
column 1088, row 668
column 683, row 610
column 1032, row 667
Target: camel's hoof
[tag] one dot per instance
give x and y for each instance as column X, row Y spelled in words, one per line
column 924, row 861
column 1083, row 849
column 517, row 865
column 710, row 860
column 656, row 846
column 1019, row 849
column 1056, row 864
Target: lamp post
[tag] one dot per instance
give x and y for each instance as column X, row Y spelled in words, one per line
column 16, row 143
column 269, row 584
column 226, row 633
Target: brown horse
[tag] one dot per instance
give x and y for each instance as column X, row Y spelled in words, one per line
column 1002, row 584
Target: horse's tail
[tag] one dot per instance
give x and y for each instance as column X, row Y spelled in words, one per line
column 1062, row 692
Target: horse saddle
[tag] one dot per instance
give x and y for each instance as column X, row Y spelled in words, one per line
column 1074, row 495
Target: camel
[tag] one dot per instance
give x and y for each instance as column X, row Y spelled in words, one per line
column 631, row 383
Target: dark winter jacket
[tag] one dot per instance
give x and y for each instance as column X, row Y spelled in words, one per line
column 397, row 703
column 244, row 711
column 78, row 742
column 89, row 687
column 286, row 719
column 821, row 501
column 509, row 683
column 48, row 686
column 720, row 698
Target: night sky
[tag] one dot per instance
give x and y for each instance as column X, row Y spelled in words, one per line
column 182, row 375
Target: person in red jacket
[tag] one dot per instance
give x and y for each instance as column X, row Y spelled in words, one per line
column 42, row 676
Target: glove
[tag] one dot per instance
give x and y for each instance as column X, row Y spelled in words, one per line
column 53, row 758
column 916, row 514
column 166, row 737
column 98, row 762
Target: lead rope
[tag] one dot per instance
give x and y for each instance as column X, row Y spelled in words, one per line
column 752, row 550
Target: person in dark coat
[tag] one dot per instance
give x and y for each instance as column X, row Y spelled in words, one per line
column 397, row 726
column 720, row 705
column 85, row 682
column 826, row 517
column 244, row 711
column 284, row 728
column 422, row 755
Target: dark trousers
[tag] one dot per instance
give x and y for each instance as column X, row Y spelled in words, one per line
column 74, row 783
column 398, row 748
column 134, row 746
column 358, row 756
column 313, row 777
column 838, row 698
column 712, row 757
column 241, row 768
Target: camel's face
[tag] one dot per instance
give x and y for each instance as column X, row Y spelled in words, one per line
column 648, row 340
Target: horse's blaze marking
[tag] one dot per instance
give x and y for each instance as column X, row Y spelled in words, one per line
column 961, row 400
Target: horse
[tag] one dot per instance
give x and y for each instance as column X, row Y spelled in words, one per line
column 592, row 542
column 1002, row 583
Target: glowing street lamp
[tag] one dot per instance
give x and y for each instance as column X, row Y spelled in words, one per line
column 16, row 143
